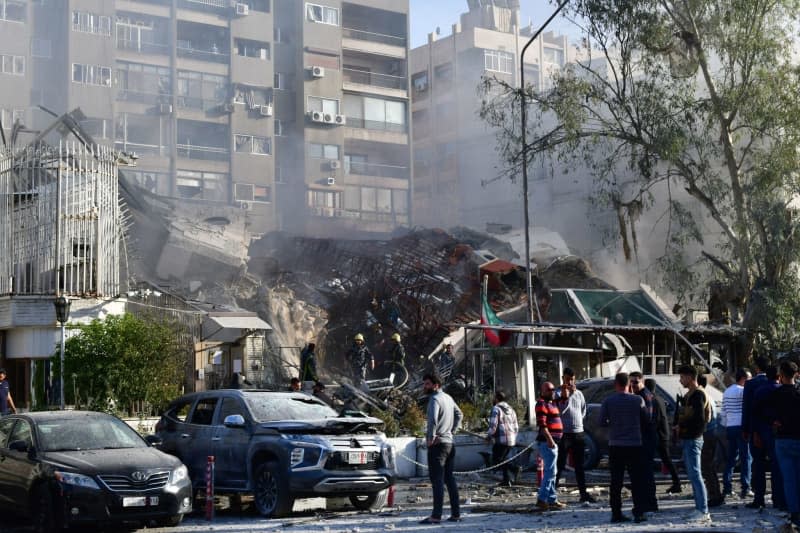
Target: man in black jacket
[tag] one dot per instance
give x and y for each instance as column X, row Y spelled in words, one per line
column 691, row 424
column 661, row 422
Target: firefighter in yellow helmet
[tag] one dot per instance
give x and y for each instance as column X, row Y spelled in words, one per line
column 360, row 358
column 397, row 354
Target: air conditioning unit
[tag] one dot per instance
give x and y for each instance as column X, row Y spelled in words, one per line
column 316, row 116
column 317, row 72
column 266, row 110
column 245, row 205
column 331, row 180
column 340, row 120
column 329, row 118
column 335, row 164
column 242, row 9
column 165, row 109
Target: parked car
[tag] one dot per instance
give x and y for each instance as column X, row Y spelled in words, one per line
column 64, row 468
column 278, row 446
column 595, row 390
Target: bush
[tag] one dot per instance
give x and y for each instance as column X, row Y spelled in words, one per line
column 413, row 420
column 390, row 422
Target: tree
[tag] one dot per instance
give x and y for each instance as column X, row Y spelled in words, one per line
column 689, row 106
column 129, row 360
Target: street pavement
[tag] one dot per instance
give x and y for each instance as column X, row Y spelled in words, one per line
column 485, row 507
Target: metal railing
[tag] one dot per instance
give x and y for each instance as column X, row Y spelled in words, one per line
column 205, row 4
column 212, row 153
column 198, row 102
column 214, row 56
column 142, row 97
column 365, row 77
column 140, row 148
column 382, row 38
column 376, row 125
column 335, row 212
column 142, row 47
column 377, row 170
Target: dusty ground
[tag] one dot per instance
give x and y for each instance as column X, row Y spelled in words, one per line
column 485, row 508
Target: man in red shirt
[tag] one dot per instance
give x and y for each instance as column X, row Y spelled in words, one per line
column 548, row 420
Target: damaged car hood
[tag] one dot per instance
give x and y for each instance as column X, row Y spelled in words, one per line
column 332, row 426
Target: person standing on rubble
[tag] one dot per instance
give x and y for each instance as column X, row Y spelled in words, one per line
column 360, row 359
column 308, row 363
column 572, row 404
column 397, row 354
column 503, row 429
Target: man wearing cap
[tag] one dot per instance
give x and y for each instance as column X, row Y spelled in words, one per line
column 360, row 359
column 6, row 402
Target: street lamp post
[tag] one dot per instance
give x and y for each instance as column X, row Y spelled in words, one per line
column 62, row 315
column 523, row 119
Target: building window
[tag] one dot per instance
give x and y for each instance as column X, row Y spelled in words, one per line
column 12, row 65
column 278, row 128
column 279, row 81
column 248, row 192
column 91, row 23
column 12, row 10
column 325, row 105
column 375, row 113
column 498, row 61
column 256, row 49
column 142, row 83
column 553, row 55
column 419, row 82
column 323, row 151
column 254, row 97
column 256, row 5
column 91, row 75
column 10, row 116
column 97, row 128
column 322, row 14
column 328, row 201
column 41, row 48
column 201, row 185
column 279, row 178
column 154, row 182
column 252, row 144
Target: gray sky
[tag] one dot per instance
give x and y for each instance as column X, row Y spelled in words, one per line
column 426, row 15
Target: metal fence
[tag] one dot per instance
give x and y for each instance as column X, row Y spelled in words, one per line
column 59, row 220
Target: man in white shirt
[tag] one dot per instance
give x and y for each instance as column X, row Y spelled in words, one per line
column 737, row 447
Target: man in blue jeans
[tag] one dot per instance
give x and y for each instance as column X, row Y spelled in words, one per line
column 737, row 447
column 690, row 427
column 444, row 419
column 548, row 420
column 784, row 404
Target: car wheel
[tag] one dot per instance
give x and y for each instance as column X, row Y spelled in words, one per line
column 170, row 521
column 44, row 518
column 271, row 495
column 591, row 455
column 371, row 501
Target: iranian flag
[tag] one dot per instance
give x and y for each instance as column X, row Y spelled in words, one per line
column 495, row 337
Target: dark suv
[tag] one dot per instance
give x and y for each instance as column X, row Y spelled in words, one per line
column 278, row 446
column 595, row 390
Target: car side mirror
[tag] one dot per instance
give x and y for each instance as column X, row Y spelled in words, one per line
column 19, row 446
column 234, row 421
column 153, row 440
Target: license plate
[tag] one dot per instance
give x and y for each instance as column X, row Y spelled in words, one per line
column 357, row 458
column 139, row 501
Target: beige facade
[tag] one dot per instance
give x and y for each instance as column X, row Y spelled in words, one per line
column 456, row 166
column 215, row 97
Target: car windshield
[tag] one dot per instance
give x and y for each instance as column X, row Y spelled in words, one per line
column 271, row 408
column 90, row 433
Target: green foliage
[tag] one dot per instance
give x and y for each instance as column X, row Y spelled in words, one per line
column 476, row 414
column 122, row 363
column 413, row 420
column 687, row 109
column 391, row 424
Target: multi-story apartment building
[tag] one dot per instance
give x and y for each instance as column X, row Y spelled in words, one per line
column 456, row 166
column 294, row 111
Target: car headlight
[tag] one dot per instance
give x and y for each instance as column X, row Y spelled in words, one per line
column 306, row 456
column 388, row 453
column 77, row 480
column 297, row 456
column 178, row 475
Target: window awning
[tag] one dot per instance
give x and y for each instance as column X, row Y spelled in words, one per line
column 231, row 327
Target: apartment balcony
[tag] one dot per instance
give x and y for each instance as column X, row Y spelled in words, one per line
column 374, row 125
column 383, row 221
column 375, row 83
column 205, row 153
column 212, row 54
column 143, row 47
column 374, row 43
column 198, row 103
column 212, row 6
column 376, row 170
column 142, row 97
